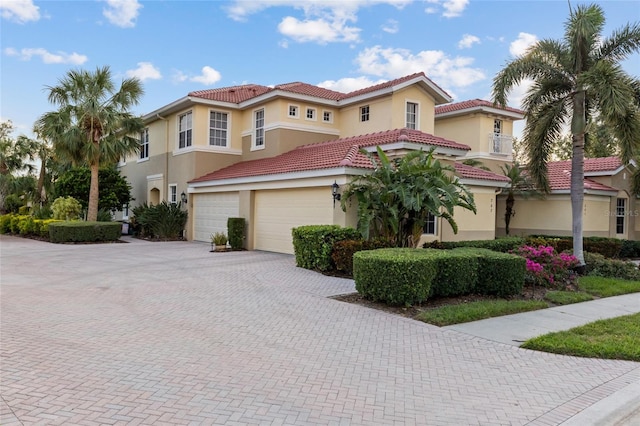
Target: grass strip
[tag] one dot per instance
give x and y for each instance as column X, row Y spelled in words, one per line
column 607, row 287
column 615, row 338
column 473, row 311
column 567, row 297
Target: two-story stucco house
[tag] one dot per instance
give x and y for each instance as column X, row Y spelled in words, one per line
column 273, row 154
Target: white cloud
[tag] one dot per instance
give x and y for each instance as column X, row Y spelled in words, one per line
column 447, row 72
column 452, row 8
column 391, row 26
column 19, row 11
column 47, row 57
column 467, row 41
column 122, row 13
column 145, row 71
column 518, row 93
column 324, row 21
column 520, row 45
column 346, row 85
column 208, row 77
column 319, row 30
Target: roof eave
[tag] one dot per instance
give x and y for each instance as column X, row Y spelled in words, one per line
column 483, row 109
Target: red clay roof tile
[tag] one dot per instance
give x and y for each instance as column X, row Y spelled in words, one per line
column 559, row 173
column 472, row 104
column 470, row 172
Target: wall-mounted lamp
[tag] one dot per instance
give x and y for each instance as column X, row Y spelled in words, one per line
column 334, row 191
column 183, row 198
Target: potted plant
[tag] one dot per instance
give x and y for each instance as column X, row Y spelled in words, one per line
column 219, row 241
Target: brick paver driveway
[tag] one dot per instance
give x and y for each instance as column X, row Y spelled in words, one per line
column 168, row 333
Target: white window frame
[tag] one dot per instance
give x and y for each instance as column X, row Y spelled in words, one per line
column 173, row 193
column 365, row 113
column 125, row 212
column 226, row 130
column 621, row 214
column 258, row 136
column 497, row 126
column 295, row 109
column 326, row 114
column 431, row 218
column 415, row 114
column 188, row 130
column 310, row 114
column 144, row 145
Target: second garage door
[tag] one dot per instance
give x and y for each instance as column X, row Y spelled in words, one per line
column 277, row 211
column 210, row 213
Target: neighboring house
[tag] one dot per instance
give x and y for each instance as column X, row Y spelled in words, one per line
column 271, row 154
column 609, row 208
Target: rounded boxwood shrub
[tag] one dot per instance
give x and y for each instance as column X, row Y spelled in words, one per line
column 395, row 276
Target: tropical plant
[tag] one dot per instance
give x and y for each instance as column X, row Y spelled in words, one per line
column 394, row 201
column 93, row 124
column 548, row 268
column 16, row 156
column 519, row 184
column 114, row 190
column 574, row 79
column 164, row 221
column 66, row 208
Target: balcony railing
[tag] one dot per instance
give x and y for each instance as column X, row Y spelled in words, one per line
column 500, row 144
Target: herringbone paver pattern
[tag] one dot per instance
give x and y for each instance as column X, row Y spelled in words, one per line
column 168, row 333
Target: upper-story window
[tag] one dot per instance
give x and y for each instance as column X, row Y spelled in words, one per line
column 144, row 144
column 327, row 116
column 185, row 129
column 259, row 128
column 311, row 114
column 218, row 128
column 412, row 115
column 364, row 113
column 173, row 193
column 294, row 111
column 497, row 126
column 621, row 205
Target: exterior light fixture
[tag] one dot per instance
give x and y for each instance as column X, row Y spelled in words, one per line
column 334, row 191
column 183, row 198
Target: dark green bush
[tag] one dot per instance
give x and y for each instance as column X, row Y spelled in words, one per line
column 630, row 249
column 235, row 230
column 43, row 212
column 342, row 252
column 104, row 216
column 608, row 247
column 457, row 272
column 600, row 266
column 164, row 221
column 503, row 245
column 312, row 244
column 84, row 232
column 395, row 276
column 12, row 203
column 500, row 274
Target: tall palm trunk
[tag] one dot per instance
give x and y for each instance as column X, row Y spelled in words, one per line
column 509, row 211
column 92, row 211
column 578, row 127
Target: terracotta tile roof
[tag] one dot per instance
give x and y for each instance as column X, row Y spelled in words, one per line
column 473, row 104
column 234, row 94
column 310, row 90
column 237, row 94
column 469, row 172
column 559, row 173
column 327, row 155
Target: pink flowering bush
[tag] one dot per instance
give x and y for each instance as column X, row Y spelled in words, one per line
column 547, row 268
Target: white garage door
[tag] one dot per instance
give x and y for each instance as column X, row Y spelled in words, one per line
column 210, row 213
column 278, row 211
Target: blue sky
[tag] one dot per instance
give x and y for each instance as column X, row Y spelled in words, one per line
column 176, row 47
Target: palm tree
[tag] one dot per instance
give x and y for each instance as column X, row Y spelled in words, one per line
column 574, row 79
column 93, row 123
column 394, row 201
column 520, row 184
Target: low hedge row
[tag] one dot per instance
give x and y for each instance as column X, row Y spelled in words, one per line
column 313, row 244
column 503, row 245
column 25, row 225
column 84, row 232
column 608, row 247
column 410, row 276
column 342, row 252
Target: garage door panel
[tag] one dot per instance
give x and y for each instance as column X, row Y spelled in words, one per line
column 277, row 212
column 211, row 211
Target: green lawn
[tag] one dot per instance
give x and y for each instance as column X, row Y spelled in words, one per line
column 616, row 338
column 567, row 297
column 607, row 287
column 474, row 311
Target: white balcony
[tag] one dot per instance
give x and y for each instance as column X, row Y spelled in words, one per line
column 500, row 144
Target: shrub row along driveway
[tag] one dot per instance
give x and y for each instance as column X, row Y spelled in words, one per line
column 144, row 333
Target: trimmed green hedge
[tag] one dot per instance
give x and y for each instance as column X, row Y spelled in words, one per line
column 26, row 226
column 608, row 247
column 389, row 275
column 397, row 276
column 342, row 252
column 235, row 231
column 76, row 231
column 503, row 245
column 312, row 244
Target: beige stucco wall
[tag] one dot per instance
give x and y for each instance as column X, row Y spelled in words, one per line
column 462, row 129
column 473, row 226
column 279, row 141
column 426, row 108
column 380, row 113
